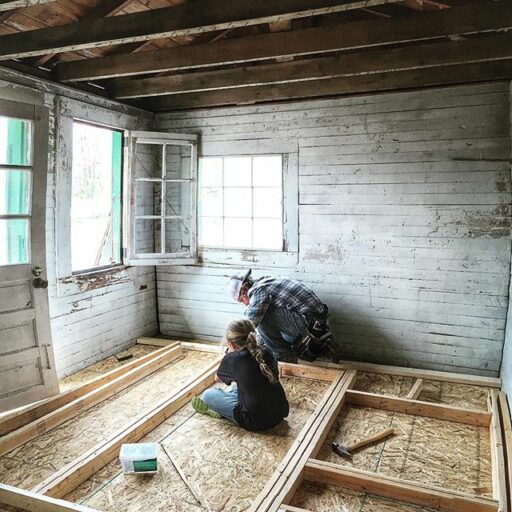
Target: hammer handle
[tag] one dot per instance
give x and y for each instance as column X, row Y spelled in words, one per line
column 371, row 440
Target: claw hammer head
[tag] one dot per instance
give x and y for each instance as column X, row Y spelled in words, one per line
column 341, row 450
column 346, row 451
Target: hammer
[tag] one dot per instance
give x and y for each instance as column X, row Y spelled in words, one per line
column 346, row 451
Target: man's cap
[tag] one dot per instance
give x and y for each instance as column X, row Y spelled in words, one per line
column 236, row 283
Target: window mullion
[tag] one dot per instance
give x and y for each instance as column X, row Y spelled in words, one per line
column 164, row 195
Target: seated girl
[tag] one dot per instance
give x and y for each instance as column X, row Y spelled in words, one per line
column 257, row 400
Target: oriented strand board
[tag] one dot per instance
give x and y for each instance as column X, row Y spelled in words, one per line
column 226, row 465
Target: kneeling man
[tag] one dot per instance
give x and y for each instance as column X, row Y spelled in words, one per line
column 290, row 319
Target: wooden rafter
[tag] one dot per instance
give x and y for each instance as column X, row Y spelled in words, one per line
column 168, row 22
column 431, row 55
column 6, row 5
column 375, row 82
column 81, row 404
column 425, row 5
column 396, row 488
column 309, row 41
column 18, row 419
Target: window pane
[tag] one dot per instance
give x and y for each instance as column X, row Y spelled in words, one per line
column 95, row 201
column 178, row 162
column 14, row 241
column 268, row 202
column 177, row 236
column 148, row 161
column 237, row 171
column 148, row 198
column 14, row 192
column 210, row 172
column 147, row 236
column 211, row 231
column 210, row 202
column 267, row 171
column 15, row 141
column 237, row 202
column 237, row 233
column 178, row 198
column 268, row 234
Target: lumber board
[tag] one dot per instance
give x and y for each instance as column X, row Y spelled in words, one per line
column 288, row 476
column 203, row 347
column 415, row 391
column 19, row 418
column 507, row 441
column 7, row 5
column 156, row 342
column 419, row 56
column 396, row 488
column 479, row 418
column 373, row 82
column 348, row 36
column 28, row 500
column 308, row 372
column 174, row 21
column 78, row 471
column 457, row 378
column 289, row 508
column 78, row 406
column 499, row 469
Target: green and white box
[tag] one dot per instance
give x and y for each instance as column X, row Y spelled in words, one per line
column 139, row 458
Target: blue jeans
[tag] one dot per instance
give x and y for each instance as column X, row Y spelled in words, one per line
column 223, row 402
column 279, row 329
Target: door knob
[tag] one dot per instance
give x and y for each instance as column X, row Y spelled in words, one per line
column 37, row 271
column 39, row 283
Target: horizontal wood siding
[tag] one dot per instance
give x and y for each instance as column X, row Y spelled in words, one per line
column 404, row 222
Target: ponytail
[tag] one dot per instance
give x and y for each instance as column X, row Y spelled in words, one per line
column 243, row 333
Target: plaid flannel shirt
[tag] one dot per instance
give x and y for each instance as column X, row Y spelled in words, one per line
column 283, row 293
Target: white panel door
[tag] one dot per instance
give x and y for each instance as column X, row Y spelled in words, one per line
column 27, row 367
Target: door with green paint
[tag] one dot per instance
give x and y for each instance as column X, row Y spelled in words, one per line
column 27, row 367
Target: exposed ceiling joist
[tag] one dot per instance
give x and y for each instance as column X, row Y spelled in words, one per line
column 438, row 54
column 7, row 5
column 425, row 5
column 168, row 22
column 377, row 82
column 291, row 44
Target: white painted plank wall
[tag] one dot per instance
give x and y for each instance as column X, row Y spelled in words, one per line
column 88, row 323
column 404, row 215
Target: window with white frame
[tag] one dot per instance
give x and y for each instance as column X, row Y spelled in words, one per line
column 241, row 202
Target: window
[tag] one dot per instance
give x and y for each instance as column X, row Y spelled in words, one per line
column 15, row 190
column 161, row 193
column 95, row 197
column 241, row 202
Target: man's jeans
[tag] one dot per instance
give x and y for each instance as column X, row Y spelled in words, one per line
column 279, row 329
column 223, row 402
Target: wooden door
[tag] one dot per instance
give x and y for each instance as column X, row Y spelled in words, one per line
column 27, row 366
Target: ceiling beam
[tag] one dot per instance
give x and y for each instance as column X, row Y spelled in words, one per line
column 190, row 18
column 7, row 5
column 446, row 53
column 347, row 36
column 377, row 82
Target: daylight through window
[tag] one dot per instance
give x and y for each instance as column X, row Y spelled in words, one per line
column 241, row 202
column 96, row 197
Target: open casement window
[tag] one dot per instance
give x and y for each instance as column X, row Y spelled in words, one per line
column 161, row 195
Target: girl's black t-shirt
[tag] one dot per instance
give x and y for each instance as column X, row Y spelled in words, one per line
column 261, row 404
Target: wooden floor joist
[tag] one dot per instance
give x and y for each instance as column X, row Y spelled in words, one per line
column 499, row 469
column 308, row 372
column 507, row 441
column 71, row 476
column 395, row 488
column 479, row 418
column 78, row 406
column 288, row 476
column 10, row 422
column 28, row 500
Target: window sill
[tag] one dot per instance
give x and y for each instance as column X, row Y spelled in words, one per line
column 244, row 257
column 91, row 280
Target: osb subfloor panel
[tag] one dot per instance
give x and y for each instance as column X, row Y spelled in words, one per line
column 425, row 450
column 33, row 462
column 224, row 466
